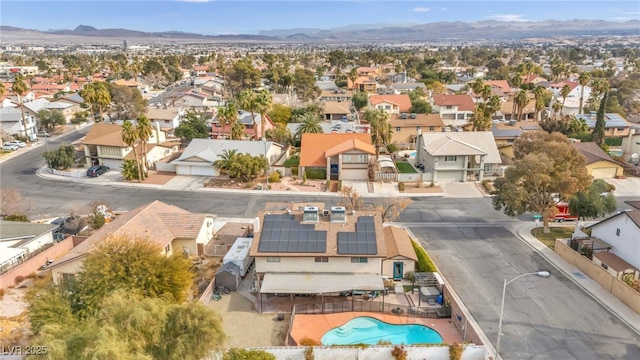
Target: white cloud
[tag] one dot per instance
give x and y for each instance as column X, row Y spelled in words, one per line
column 507, row 17
column 421, row 9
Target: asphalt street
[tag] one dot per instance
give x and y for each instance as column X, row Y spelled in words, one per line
column 474, row 246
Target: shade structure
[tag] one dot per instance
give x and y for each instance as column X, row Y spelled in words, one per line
column 308, row 283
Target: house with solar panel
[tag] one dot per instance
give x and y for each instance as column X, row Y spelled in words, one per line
column 310, row 249
column 614, row 124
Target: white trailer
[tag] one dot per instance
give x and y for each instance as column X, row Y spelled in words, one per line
column 239, row 254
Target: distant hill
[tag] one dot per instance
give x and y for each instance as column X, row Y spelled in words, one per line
column 439, row 31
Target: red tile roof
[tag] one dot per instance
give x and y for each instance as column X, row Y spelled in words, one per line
column 403, row 101
column 314, row 147
column 464, row 101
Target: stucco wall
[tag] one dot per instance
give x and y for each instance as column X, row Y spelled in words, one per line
column 304, row 264
column 623, row 245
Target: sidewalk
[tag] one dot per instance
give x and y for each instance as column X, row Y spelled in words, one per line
column 597, row 292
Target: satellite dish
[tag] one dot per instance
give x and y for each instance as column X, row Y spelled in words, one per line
column 635, row 158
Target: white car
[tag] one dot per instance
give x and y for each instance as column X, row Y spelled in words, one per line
column 18, row 143
column 10, row 146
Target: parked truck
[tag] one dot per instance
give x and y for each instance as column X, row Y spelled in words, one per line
column 563, row 214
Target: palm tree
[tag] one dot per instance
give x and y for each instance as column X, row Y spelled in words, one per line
column 247, row 101
column 521, row 99
column 584, row 78
column 264, row 101
column 145, row 130
column 130, row 137
column 566, row 90
column 228, row 115
column 517, row 82
column 309, row 123
column 226, row 159
column 539, row 93
column 378, row 120
column 556, row 106
column 20, row 87
column 353, row 76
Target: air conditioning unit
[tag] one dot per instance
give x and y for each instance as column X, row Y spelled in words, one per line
column 403, row 115
column 414, row 115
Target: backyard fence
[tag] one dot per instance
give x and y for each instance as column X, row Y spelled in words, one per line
column 372, row 306
column 385, row 176
column 216, row 250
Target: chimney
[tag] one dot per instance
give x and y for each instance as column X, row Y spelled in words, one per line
column 157, row 133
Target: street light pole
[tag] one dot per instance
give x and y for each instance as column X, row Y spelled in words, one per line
column 266, row 159
column 543, row 274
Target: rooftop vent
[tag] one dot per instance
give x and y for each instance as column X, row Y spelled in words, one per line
column 338, row 214
column 414, row 115
column 403, row 115
column 310, row 214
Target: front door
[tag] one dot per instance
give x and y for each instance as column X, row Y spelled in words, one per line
column 397, row 270
column 334, row 172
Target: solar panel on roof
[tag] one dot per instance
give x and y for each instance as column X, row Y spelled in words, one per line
column 360, row 242
column 283, row 233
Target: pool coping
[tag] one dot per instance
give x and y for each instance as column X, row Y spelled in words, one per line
column 316, row 325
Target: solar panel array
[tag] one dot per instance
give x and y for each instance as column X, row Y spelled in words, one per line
column 284, row 234
column 611, row 120
column 360, row 242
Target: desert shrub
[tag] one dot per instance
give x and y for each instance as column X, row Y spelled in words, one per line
column 327, row 185
column 32, row 276
column 244, row 354
column 305, row 341
column 401, row 186
column 96, row 220
column 399, row 353
column 308, row 353
column 18, row 279
column 294, row 171
column 17, row 217
column 274, row 177
column 455, row 351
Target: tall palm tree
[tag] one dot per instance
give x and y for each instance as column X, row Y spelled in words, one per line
column 20, row 87
column 556, row 106
column 521, row 99
column 516, row 81
column 381, row 132
column 130, row 137
column 353, row 76
column 247, row 101
column 584, row 78
column 145, row 130
column 226, row 159
column 309, row 123
column 264, row 101
column 228, row 115
column 564, row 92
column 539, row 92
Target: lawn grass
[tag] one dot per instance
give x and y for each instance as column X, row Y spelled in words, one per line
column 405, row 168
column 292, row 162
column 549, row 239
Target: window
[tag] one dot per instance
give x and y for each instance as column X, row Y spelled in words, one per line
column 360, row 159
column 397, row 128
column 359, row 260
column 432, row 128
column 167, row 249
column 167, row 121
column 620, row 129
column 604, row 266
column 451, row 158
column 273, row 259
column 68, row 277
column 322, row 259
column 449, row 107
column 617, row 232
column 387, row 107
column 487, row 168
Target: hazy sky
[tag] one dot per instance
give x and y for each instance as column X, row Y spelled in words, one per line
column 248, row 17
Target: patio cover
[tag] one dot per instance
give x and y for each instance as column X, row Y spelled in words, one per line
column 303, row 283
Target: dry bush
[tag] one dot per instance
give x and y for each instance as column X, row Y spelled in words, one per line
column 305, row 341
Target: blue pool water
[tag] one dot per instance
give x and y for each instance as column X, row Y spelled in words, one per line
column 412, row 154
column 367, row 330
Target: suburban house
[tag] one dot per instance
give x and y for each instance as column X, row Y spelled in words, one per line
column 405, row 87
column 621, row 233
column 336, row 110
column 175, row 230
column 33, row 107
column 143, row 88
column 19, row 240
column 342, row 156
column 533, row 79
column 407, row 126
column 631, row 144
column 165, row 117
column 103, row 145
column 11, row 122
column 251, row 130
column 614, row 124
column 453, row 109
column 366, row 84
column 392, row 104
column 313, row 249
column 506, row 109
column 401, row 257
column 75, row 100
column 192, row 100
column 458, row 156
column 599, row 164
column 198, row 158
column 505, row 134
column 200, row 70
column 336, row 95
column 334, row 126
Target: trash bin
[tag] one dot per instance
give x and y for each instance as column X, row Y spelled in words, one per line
column 439, row 299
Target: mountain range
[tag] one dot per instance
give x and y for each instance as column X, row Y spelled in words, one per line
column 439, row 31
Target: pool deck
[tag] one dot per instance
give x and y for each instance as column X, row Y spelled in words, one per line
column 315, row 326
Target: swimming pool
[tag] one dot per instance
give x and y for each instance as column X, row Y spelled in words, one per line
column 368, row 330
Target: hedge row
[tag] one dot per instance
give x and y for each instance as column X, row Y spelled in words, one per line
column 425, row 264
column 319, row 174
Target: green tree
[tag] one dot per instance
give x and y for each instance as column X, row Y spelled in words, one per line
column 546, row 170
column 564, row 92
column 280, row 114
column 570, row 126
column 193, row 125
column 243, row 76
column 420, row 106
column 521, row 99
column 599, row 128
column 353, row 76
column 381, row 131
column 541, row 96
column 20, row 88
column 304, row 83
column 130, row 170
column 360, row 100
column 97, row 96
column 247, row 354
column 309, row 123
column 127, row 103
column 280, row 134
column 264, row 101
column 62, row 158
column 228, row 115
column 226, row 159
column 596, row 201
column 516, row 82
column 584, row 78
column 49, row 119
column 246, row 167
column 248, row 100
column 145, row 130
column 130, row 137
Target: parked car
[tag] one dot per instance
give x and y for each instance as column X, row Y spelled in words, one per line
column 43, row 133
column 17, row 142
column 10, row 146
column 97, row 170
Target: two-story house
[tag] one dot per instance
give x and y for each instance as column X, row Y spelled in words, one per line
column 312, row 249
column 11, row 122
column 251, row 130
column 614, row 124
column 406, row 127
column 392, row 104
column 19, row 240
column 175, row 230
column 367, row 84
column 342, row 156
column 165, row 117
column 454, row 110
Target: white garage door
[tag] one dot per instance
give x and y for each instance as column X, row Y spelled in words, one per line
column 112, row 164
column 603, row 173
column 448, row 176
column 355, row 174
column 195, row 170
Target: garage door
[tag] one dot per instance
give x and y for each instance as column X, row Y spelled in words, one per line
column 604, row 173
column 355, row 174
column 112, row 164
column 448, row 176
column 195, row 170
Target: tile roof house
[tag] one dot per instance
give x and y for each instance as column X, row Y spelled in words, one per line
column 313, row 249
column 367, row 84
column 166, row 118
column 454, row 110
column 103, row 145
column 336, row 110
column 505, row 134
column 392, row 104
column 599, row 164
column 406, row 127
column 33, row 107
column 401, row 256
column 458, row 156
column 251, row 130
column 198, row 158
column 342, row 156
column 174, row 229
